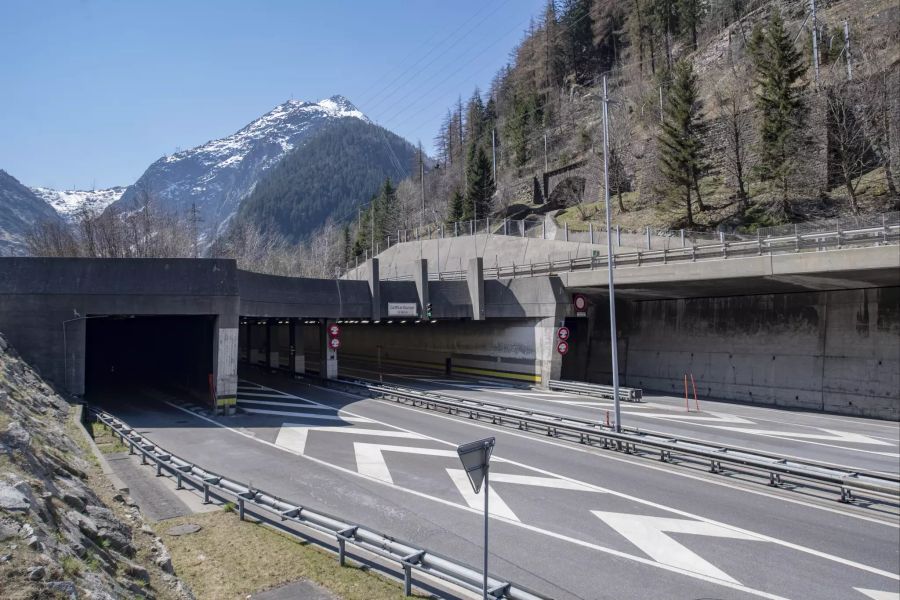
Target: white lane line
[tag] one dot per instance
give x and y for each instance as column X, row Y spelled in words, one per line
column 709, row 416
column 300, row 415
column 676, row 511
column 293, row 436
column 267, row 395
column 498, row 506
column 652, row 467
column 878, row 594
column 242, row 401
column 649, row 534
column 479, row 513
column 830, row 435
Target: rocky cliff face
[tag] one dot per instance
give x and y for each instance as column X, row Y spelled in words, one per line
column 20, row 209
column 64, row 532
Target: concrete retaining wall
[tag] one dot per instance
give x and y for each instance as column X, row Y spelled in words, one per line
column 516, row 350
column 835, row 351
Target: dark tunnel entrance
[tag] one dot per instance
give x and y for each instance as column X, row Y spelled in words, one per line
column 131, row 353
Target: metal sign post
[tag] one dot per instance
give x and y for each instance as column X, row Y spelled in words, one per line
column 476, row 458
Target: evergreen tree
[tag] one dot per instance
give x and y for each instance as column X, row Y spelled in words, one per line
column 779, row 68
column 681, row 144
column 480, row 188
column 456, row 209
column 690, row 13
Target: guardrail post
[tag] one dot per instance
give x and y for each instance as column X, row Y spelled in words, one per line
column 178, row 480
column 693, row 253
column 839, row 241
column 407, row 579
column 648, row 237
column 758, row 243
column 591, row 231
column 158, row 466
column 618, row 236
column 241, row 508
column 721, row 237
column 884, row 228
column 130, row 448
column 682, row 238
column 797, row 237
column 639, row 257
column 567, row 231
column 205, row 493
column 522, row 227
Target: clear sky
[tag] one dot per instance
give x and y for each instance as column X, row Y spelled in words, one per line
column 92, row 92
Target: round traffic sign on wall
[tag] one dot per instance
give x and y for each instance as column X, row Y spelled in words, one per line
column 580, row 302
column 562, row 347
column 334, row 343
column 334, row 330
column 563, row 333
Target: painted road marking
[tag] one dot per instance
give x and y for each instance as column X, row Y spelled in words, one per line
column 715, row 417
column 301, row 415
column 293, row 436
column 649, row 534
column 268, row 395
column 306, row 406
column 830, row 435
column 370, row 457
column 878, row 595
column 569, row 539
column 498, row 506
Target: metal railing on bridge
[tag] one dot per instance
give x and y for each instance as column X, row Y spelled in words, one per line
column 807, row 237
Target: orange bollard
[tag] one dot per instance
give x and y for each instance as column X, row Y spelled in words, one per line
column 687, row 405
column 696, row 402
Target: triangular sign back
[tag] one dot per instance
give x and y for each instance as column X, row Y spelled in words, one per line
column 475, row 457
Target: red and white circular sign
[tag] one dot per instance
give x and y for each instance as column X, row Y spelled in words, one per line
column 334, row 343
column 334, row 330
column 580, row 302
column 563, row 333
column 562, row 347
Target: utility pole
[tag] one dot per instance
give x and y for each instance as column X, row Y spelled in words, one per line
column 847, row 50
column 815, row 41
column 545, row 152
column 609, row 263
column 422, row 179
column 373, row 229
column 494, row 153
column 660, row 105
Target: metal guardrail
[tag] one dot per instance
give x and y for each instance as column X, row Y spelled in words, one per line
column 866, row 234
column 634, row 441
column 408, row 556
column 595, row 389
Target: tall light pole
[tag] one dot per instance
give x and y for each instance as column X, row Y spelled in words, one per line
column 609, row 262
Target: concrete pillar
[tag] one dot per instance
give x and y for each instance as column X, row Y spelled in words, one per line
column 329, row 362
column 271, row 349
column 74, row 344
column 298, row 357
column 475, row 280
column 420, row 275
column 225, row 361
column 549, row 361
column 375, row 289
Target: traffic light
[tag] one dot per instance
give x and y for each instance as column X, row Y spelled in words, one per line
column 428, row 310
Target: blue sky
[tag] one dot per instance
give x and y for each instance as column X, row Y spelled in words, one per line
column 93, row 91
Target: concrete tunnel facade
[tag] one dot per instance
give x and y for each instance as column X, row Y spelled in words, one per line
column 96, row 322
column 831, row 343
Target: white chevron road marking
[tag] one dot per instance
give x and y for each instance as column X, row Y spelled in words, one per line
column 293, row 436
column 649, row 534
column 878, row 595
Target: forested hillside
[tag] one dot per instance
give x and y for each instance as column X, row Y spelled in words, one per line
column 718, row 115
column 327, row 178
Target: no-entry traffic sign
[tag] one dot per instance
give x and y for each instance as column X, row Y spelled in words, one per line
column 580, row 302
column 334, row 343
column 563, row 333
column 562, row 347
column 334, row 330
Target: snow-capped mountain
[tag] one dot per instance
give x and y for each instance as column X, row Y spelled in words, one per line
column 69, row 203
column 217, row 175
column 20, row 209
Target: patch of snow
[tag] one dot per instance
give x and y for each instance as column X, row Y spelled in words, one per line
column 68, row 203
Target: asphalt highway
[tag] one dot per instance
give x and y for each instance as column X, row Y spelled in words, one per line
column 567, row 521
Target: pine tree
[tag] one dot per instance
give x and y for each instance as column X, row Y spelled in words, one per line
column 681, row 143
column 457, row 202
column 480, row 188
column 779, row 99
